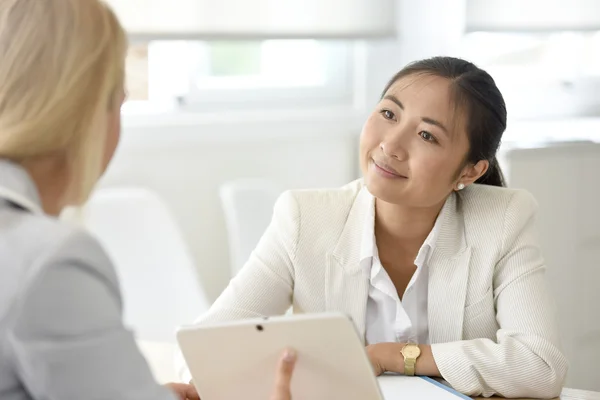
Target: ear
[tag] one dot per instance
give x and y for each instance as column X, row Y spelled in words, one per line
column 470, row 173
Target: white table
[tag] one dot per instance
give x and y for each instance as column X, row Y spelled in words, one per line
column 161, row 357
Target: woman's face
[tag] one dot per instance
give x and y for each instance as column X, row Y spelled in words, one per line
column 413, row 147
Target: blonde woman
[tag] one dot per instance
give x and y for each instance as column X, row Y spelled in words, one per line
column 61, row 89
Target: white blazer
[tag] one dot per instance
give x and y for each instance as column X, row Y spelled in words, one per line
column 491, row 317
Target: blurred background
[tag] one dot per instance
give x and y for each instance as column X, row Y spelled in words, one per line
column 233, row 101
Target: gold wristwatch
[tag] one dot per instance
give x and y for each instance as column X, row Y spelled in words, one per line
column 410, row 352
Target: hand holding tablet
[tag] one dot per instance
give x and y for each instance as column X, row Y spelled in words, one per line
column 240, row 359
column 283, row 377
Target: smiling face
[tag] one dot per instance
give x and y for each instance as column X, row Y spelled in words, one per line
column 413, row 146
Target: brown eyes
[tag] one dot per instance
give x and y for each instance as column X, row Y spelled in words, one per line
column 387, row 114
column 426, row 136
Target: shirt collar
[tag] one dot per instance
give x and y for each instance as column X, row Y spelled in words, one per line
column 429, row 243
column 368, row 249
column 17, row 187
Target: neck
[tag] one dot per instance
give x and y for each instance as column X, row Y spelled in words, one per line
column 404, row 226
column 51, row 181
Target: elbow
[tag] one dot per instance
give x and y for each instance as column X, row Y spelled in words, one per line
column 545, row 381
column 512, row 370
column 533, row 376
column 552, row 384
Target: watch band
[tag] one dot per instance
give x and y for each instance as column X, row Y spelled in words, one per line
column 409, row 366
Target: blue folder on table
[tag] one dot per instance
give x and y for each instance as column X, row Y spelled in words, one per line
column 400, row 387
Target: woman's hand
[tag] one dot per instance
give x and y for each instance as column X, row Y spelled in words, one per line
column 184, row 391
column 281, row 390
column 374, row 353
column 283, row 376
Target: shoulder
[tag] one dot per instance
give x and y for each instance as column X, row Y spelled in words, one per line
column 316, row 215
column 51, row 264
column 497, row 215
column 46, row 243
column 312, row 200
column 310, row 206
column 483, row 201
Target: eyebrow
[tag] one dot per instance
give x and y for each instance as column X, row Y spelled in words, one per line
column 427, row 120
column 394, row 99
column 430, row 121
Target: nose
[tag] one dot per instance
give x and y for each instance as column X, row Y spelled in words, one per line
column 395, row 146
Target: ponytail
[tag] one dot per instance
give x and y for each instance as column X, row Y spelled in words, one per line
column 493, row 176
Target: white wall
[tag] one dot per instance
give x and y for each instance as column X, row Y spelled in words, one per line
column 186, row 161
column 184, row 158
column 425, row 29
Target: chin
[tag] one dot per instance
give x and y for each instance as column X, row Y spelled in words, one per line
column 385, row 191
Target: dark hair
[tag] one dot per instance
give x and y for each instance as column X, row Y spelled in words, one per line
column 475, row 93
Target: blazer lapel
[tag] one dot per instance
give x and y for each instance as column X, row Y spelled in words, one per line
column 448, row 276
column 346, row 283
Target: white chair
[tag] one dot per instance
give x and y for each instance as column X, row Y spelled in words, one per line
column 569, row 231
column 160, row 356
column 159, row 281
column 248, row 207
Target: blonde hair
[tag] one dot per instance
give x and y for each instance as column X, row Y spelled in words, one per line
column 61, row 69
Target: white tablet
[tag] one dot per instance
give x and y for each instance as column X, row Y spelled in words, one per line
column 237, row 360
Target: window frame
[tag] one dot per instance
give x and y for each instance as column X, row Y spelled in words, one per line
column 535, row 93
column 337, row 91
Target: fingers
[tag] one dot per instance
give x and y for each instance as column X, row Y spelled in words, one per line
column 178, row 389
column 283, row 378
column 184, row 391
column 191, row 392
column 281, row 391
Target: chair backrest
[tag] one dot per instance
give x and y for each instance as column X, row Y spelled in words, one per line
column 248, row 207
column 159, row 281
column 568, row 224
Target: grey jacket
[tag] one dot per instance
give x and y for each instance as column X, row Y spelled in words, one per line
column 61, row 334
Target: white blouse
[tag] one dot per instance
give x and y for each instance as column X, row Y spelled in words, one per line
column 390, row 319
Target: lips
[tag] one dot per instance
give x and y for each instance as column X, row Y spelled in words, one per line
column 388, row 169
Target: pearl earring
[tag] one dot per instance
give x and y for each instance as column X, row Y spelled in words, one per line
column 461, row 186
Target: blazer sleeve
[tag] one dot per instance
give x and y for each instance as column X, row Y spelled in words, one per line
column 264, row 285
column 68, row 340
column 526, row 359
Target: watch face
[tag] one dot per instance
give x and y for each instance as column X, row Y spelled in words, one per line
column 411, row 351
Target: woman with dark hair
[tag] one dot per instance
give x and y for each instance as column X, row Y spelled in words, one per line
column 433, row 259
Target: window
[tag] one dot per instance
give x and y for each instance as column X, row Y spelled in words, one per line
column 212, row 75
column 136, row 70
column 552, row 74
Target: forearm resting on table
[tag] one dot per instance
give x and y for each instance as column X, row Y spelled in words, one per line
column 391, row 359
